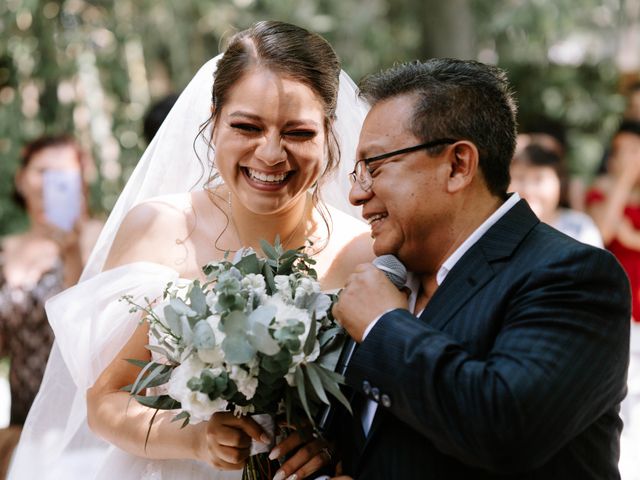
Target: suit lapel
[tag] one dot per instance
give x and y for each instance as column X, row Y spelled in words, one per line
column 479, row 264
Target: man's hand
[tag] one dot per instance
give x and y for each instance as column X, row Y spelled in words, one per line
column 367, row 294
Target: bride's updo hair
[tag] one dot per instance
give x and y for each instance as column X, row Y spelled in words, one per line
column 289, row 50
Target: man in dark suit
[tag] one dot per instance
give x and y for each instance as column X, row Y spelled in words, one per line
column 509, row 358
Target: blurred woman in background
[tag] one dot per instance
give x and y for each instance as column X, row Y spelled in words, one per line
column 537, row 174
column 38, row 263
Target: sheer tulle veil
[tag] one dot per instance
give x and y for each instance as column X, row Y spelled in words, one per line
column 88, row 323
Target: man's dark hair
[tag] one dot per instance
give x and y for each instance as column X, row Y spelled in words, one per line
column 460, row 99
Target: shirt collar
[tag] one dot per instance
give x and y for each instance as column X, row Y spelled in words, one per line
column 474, row 237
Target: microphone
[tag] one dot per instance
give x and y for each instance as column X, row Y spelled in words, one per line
column 393, row 268
column 396, row 272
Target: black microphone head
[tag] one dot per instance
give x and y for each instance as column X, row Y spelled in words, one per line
column 393, row 268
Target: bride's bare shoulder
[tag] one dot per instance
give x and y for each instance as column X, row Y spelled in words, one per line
column 151, row 229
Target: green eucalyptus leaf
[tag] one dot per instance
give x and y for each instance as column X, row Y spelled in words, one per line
column 182, row 416
column 331, row 384
column 136, row 384
column 182, row 308
column 267, row 273
column 195, row 384
column 299, row 381
column 198, row 299
column 212, row 384
column 160, row 402
column 288, row 338
column 285, row 265
column 269, row 378
column 268, row 250
column 261, row 339
column 235, row 323
column 239, row 302
column 226, row 301
column 277, row 364
column 310, row 341
column 329, row 336
column 187, row 331
column 160, row 378
column 316, row 382
column 230, row 389
column 264, row 314
column 203, row 335
column 159, row 350
column 237, row 349
column 228, row 283
column 173, row 320
column 248, row 264
column 138, row 363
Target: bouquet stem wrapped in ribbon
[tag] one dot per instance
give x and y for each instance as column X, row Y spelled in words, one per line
column 256, row 337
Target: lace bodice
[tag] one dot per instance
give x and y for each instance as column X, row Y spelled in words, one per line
column 25, row 335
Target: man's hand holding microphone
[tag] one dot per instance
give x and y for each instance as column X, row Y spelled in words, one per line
column 373, row 289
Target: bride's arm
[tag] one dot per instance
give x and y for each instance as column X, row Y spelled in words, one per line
column 224, row 441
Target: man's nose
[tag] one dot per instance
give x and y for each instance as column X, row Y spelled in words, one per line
column 270, row 150
column 358, row 195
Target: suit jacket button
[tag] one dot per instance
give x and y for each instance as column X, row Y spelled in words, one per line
column 366, row 387
column 375, row 393
column 385, row 400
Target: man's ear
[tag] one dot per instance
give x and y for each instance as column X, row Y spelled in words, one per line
column 464, row 165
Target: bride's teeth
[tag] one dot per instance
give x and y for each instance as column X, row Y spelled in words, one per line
column 264, row 177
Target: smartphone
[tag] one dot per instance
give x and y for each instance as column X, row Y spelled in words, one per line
column 62, row 197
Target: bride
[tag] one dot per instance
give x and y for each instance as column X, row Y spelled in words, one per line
column 277, row 119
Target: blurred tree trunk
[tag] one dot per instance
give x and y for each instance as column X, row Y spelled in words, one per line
column 447, row 28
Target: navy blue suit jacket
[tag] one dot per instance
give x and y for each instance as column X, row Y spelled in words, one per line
column 515, row 369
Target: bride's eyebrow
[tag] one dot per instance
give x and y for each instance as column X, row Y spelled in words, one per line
column 247, row 115
column 301, row 123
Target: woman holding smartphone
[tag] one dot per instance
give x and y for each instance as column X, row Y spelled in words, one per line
column 38, row 263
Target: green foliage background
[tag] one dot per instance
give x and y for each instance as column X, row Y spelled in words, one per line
column 92, row 67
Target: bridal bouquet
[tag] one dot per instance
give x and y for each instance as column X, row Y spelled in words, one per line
column 256, row 337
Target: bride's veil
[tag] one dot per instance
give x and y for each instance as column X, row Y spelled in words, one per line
column 56, row 441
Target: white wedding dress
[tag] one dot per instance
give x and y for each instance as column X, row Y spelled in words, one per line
column 91, row 325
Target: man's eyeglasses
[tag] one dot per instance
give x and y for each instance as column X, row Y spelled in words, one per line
column 363, row 169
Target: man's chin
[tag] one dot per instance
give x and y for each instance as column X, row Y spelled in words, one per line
column 382, row 248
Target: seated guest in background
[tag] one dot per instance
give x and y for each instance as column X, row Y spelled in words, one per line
column 509, row 358
column 538, row 175
column 40, row 262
